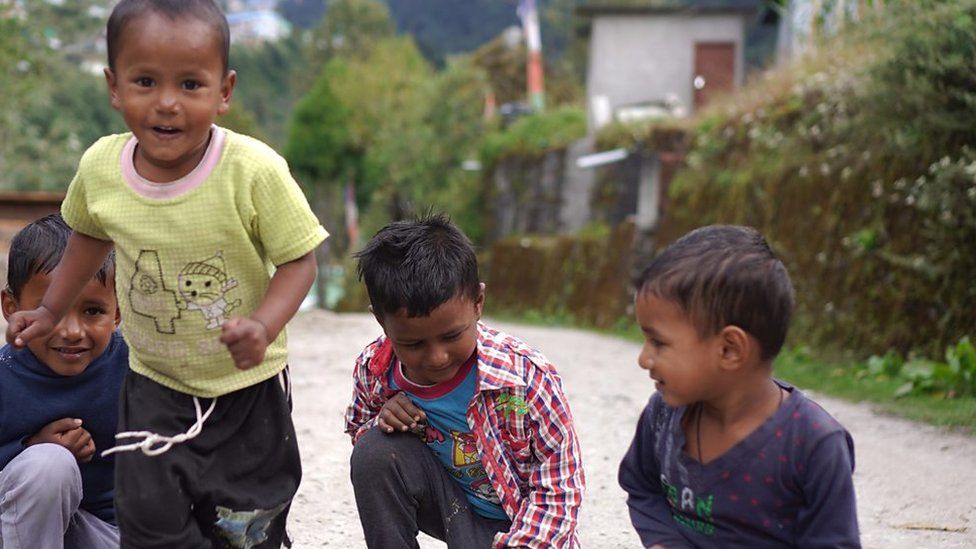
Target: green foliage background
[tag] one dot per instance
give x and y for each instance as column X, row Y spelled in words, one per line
column 860, row 167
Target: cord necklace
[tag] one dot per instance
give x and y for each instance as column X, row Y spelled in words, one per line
column 698, row 417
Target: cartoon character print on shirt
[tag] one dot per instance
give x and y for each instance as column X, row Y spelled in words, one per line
column 203, row 285
column 148, row 295
column 465, row 449
column 428, row 434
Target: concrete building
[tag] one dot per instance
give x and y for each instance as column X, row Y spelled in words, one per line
column 664, row 57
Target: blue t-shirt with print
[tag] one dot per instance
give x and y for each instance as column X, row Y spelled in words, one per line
column 447, row 433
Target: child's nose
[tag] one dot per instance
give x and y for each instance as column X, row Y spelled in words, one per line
column 644, row 359
column 438, row 358
column 71, row 327
column 167, row 100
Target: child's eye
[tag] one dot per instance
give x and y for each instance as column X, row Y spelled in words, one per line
column 94, row 311
column 453, row 337
column 190, row 85
column 144, row 82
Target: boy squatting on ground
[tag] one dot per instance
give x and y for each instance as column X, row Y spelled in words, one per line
column 725, row 455
column 460, row 431
column 214, row 243
column 59, row 405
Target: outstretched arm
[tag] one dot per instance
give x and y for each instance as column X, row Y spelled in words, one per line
column 248, row 337
column 82, row 258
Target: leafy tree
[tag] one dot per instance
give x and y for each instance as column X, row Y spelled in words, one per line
column 270, row 78
column 350, row 28
column 504, row 60
column 51, row 109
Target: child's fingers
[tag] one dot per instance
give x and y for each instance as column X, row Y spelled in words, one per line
column 25, row 331
column 14, row 328
column 231, row 332
column 62, row 425
column 411, row 409
column 74, row 439
column 395, row 417
column 384, row 426
column 86, row 451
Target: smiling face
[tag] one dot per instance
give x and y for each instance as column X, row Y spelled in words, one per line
column 433, row 348
column 82, row 335
column 169, row 83
column 683, row 365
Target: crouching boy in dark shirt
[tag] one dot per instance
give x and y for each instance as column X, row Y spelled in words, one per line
column 725, row 455
column 59, row 405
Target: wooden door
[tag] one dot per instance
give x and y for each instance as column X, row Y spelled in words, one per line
column 714, row 70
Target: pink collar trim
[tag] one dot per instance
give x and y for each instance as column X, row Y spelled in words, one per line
column 181, row 186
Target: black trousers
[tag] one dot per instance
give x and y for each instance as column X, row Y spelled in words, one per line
column 231, row 486
column 401, row 488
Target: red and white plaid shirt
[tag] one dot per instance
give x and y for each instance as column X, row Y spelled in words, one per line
column 523, row 428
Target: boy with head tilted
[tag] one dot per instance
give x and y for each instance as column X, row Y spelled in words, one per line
column 59, row 401
column 725, row 455
column 459, row 431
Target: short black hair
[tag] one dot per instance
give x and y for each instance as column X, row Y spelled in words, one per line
column 127, row 11
column 725, row 275
column 38, row 248
column 418, row 265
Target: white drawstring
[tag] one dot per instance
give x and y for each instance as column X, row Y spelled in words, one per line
column 151, row 439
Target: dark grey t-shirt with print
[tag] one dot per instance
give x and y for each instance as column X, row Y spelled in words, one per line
column 786, row 484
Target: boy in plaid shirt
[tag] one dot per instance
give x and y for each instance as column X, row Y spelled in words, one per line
column 459, row 430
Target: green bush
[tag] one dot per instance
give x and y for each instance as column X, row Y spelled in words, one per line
column 535, row 135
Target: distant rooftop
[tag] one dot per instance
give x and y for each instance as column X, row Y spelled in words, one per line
column 620, row 7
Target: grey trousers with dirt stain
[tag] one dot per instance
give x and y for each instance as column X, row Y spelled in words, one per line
column 401, row 488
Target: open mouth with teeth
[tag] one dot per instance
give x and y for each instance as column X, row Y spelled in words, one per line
column 70, row 352
column 166, row 130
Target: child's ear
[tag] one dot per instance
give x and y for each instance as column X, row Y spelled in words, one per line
column 118, row 316
column 735, row 347
column 113, row 88
column 226, row 91
column 479, row 302
column 9, row 303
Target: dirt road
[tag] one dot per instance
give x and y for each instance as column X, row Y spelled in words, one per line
column 916, row 484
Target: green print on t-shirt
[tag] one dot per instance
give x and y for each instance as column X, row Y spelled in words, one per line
column 688, row 504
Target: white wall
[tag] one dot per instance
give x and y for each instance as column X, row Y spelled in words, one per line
column 636, row 58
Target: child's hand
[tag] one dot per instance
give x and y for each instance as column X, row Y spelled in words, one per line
column 399, row 414
column 66, row 432
column 24, row 326
column 246, row 339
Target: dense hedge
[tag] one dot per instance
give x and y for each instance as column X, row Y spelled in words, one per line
column 583, row 278
column 859, row 164
column 533, row 136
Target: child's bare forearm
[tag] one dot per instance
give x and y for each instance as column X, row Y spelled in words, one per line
column 83, row 256
column 288, row 287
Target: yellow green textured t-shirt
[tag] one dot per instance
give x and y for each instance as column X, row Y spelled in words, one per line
column 193, row 253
